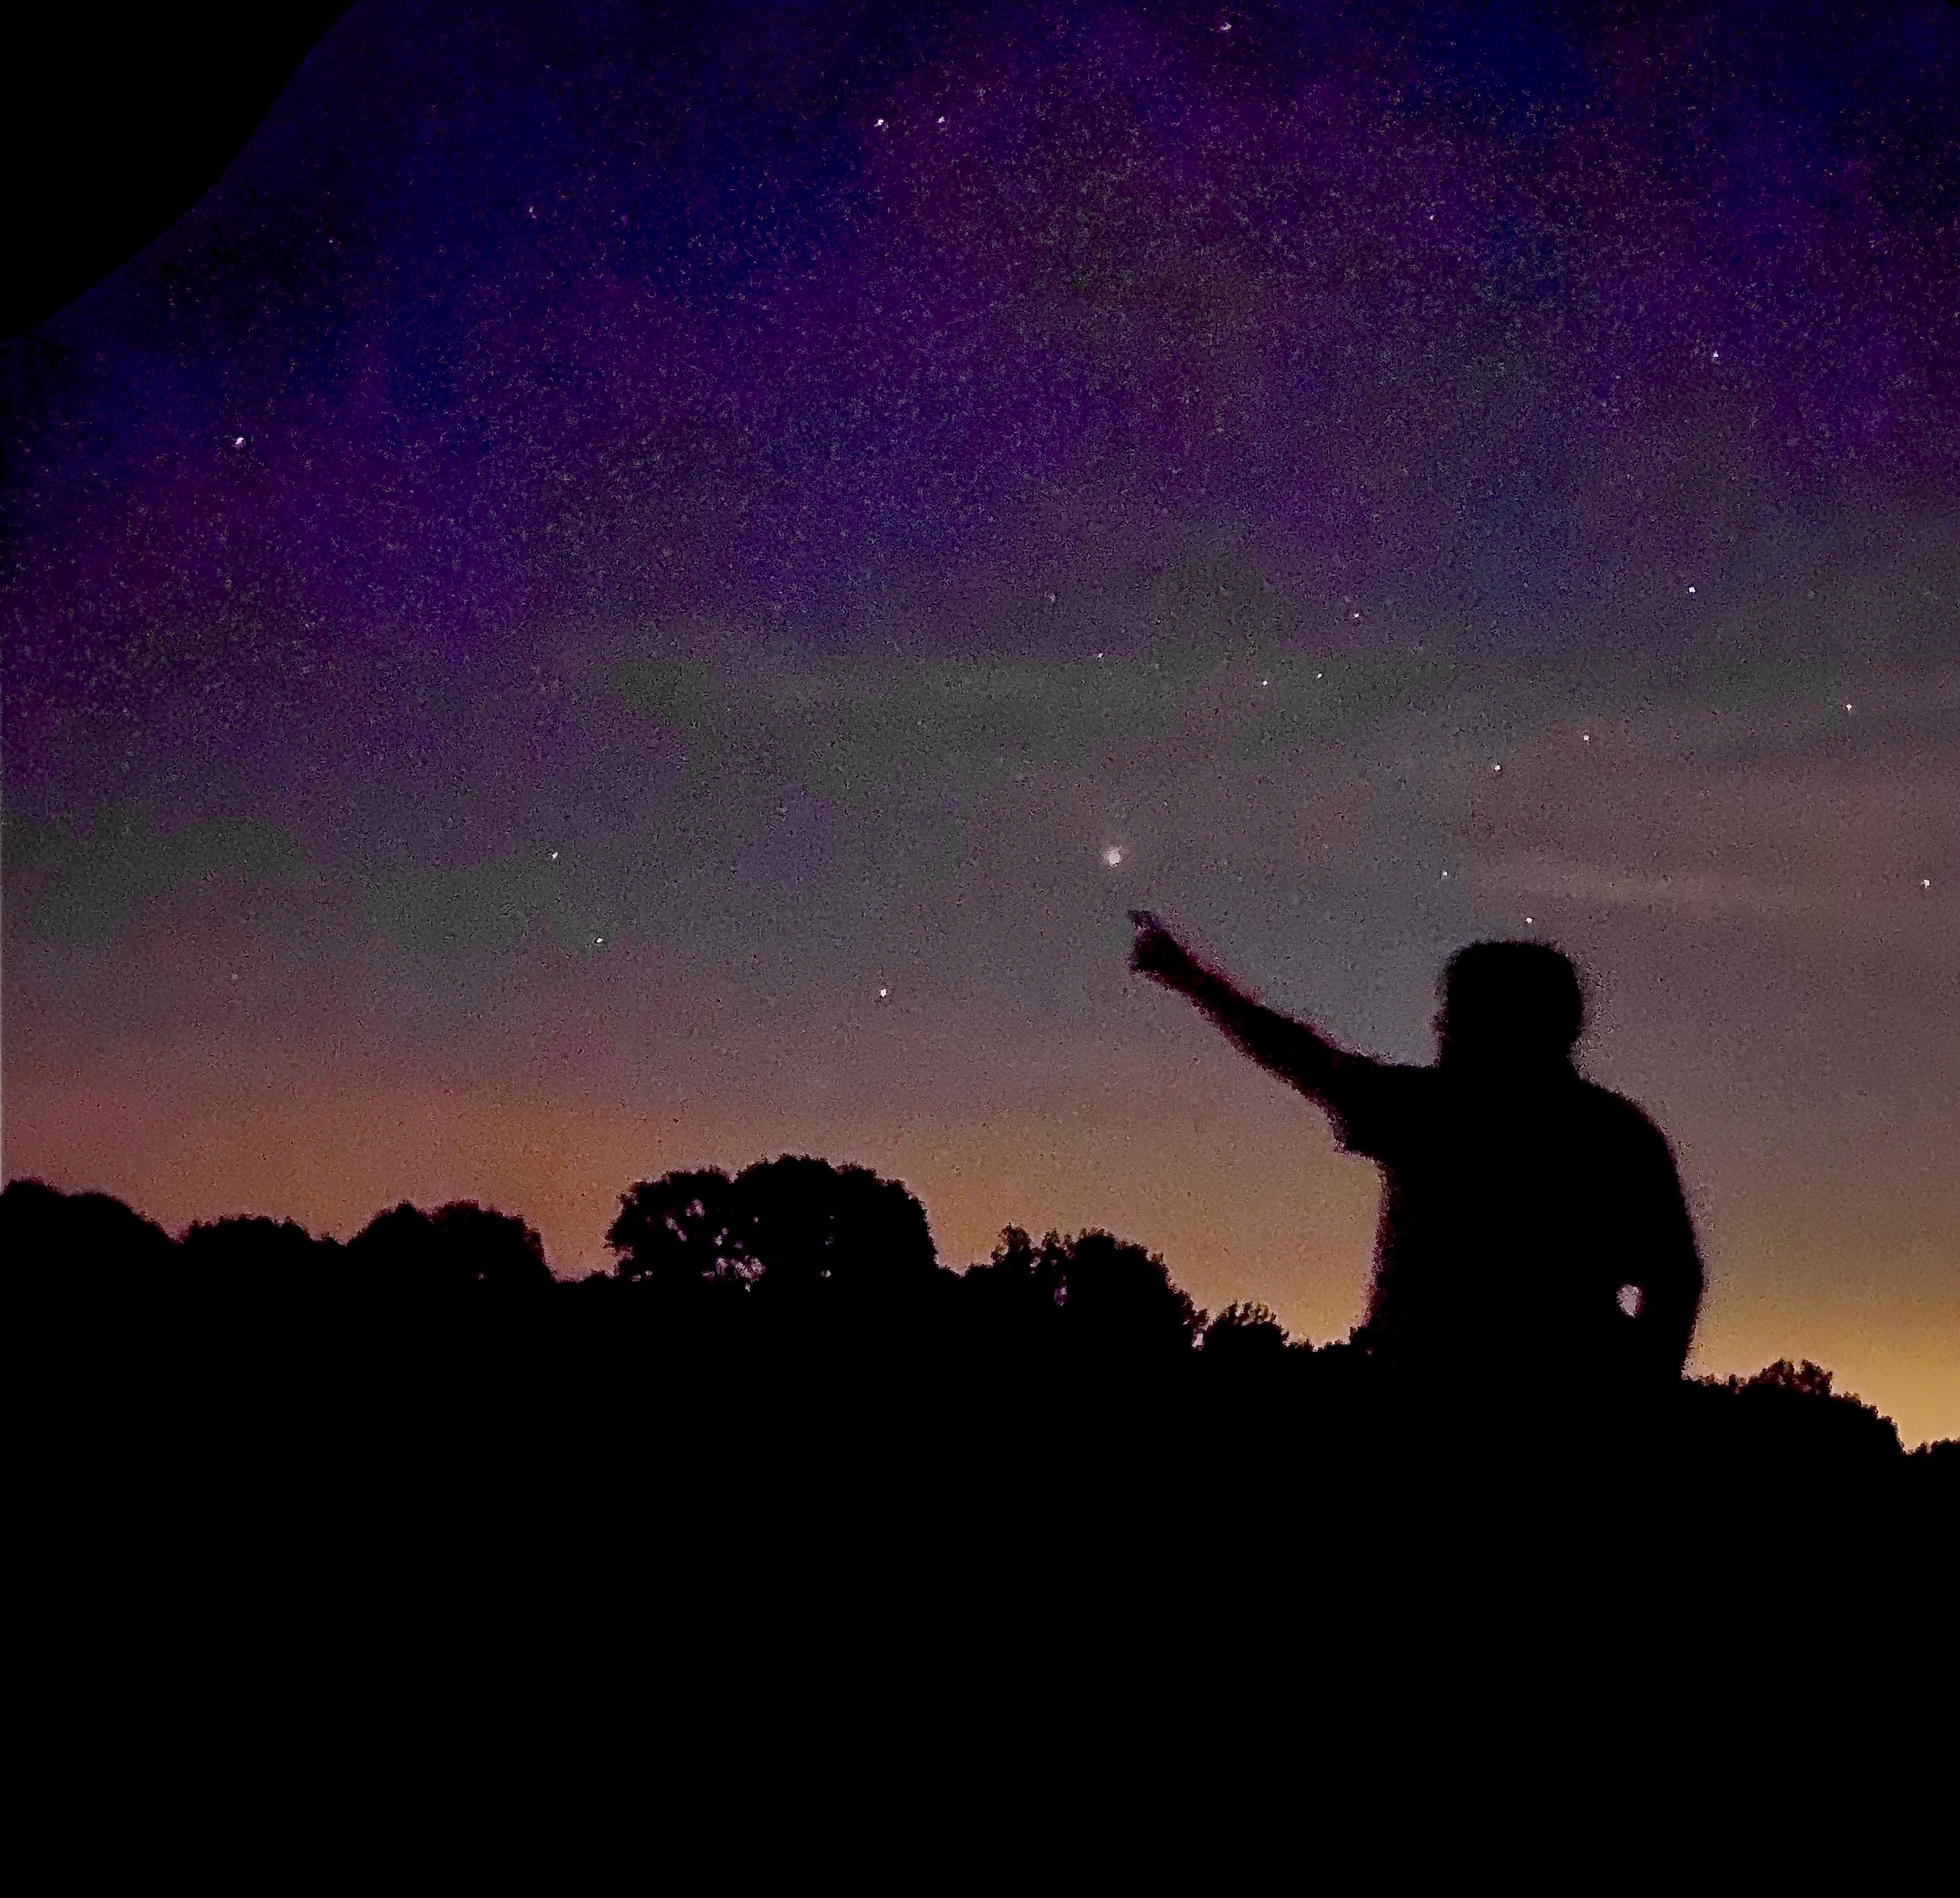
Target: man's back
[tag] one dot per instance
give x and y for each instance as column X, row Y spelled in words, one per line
column 1521, row 1216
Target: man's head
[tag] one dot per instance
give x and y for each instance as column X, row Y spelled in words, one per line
column 1510, row 1003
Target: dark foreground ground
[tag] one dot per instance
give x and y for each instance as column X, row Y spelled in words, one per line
column 1051, row 1448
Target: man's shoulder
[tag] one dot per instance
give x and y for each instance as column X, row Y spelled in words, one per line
column 1376, row 1105
column 1398, row 1079
column 1614, row 1112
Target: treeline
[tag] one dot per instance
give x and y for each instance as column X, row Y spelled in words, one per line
column 790, row 1246
column 795, row 1282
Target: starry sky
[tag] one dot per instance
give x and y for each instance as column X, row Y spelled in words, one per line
column 641, row 588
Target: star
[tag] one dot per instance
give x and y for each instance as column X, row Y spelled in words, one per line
column 884, row 994
column 554, row 857
column 1113, row 857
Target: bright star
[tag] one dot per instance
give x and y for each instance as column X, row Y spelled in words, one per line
column 1113, row 857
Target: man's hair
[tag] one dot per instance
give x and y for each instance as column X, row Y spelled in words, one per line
column 1523, row 992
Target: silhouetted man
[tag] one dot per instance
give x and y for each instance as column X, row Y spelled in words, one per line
column 1533, row 1224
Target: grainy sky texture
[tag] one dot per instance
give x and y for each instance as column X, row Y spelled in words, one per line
column 637, row 589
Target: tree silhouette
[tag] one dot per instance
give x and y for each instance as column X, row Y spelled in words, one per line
column 812, row 1223
column 1804, row 1380
column 1122, row 1298
column 86, row 1246
column 1245, row 1340
column 787, row 1230
column 1015, row 1293
column 462, row 1247
column 1790, row 1408
column 1091, row 1292
column 254, row 1259
column 683, row 1230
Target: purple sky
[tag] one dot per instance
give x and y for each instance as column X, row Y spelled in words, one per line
column 830, row 476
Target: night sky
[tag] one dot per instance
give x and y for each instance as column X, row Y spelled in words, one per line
column 632, row 590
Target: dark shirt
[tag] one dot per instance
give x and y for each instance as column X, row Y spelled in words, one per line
column 1521, row 1215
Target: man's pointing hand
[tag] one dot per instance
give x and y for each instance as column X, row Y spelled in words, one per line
column 1159, row 955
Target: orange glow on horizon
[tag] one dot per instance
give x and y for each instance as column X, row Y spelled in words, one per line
column 1258, row 1206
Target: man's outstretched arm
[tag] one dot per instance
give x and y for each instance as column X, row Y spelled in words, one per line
column 1282, row 1046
